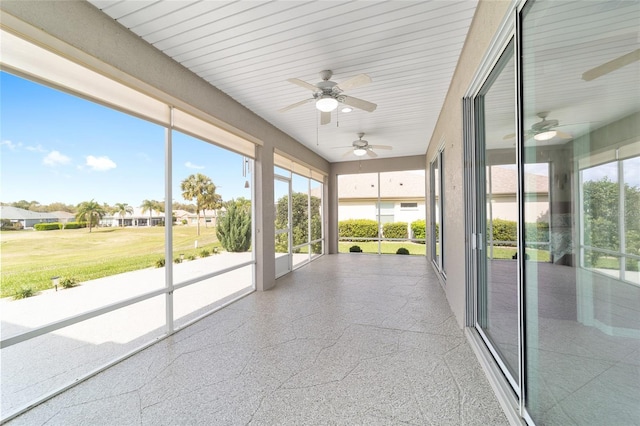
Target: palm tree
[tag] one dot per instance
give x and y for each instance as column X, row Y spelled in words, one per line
column 149, row 205
column 122, row 209
column 203, row 190
column 91, row 212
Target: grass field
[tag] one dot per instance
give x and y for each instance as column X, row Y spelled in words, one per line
column 31, row 258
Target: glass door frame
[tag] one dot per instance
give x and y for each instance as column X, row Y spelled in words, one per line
column 288, row 256
column 510, row 392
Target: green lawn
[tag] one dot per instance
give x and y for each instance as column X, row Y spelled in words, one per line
column 388, row 247
column 31, row 258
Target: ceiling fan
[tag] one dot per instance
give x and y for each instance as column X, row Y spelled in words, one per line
column 328, row 94
column 611, row 66
column 543, row 130
column 361, row 147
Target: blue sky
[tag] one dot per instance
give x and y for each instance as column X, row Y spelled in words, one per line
column 58, row 147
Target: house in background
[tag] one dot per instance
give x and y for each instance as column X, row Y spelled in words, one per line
column 25, row 219
column 64, row 217
column 207, row 217
column 401, row 196
column 137, row 218
column 501, row 186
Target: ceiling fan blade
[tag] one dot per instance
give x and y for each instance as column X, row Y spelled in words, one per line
column 371, row 154
column 611, row 66
column 297, row 104
column 325, row 118
column 563, row 135
column 348, row 153
column 304, row 84
column 359, row 103
column 509, row 136
column 381, row 146
column 353, row 82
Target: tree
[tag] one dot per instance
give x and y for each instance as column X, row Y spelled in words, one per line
column 26, row 205
column 201, row 188
column 90, row 212
column 186, row 207
column 149, row 206
column 234, row 227
column 299, row 219
column 122, row 209
column 601, row 217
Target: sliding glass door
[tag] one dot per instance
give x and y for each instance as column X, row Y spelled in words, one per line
column 553, row 212
column 497, row 216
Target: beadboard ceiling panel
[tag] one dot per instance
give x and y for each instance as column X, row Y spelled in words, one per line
column 249, row 49
column 410, row 49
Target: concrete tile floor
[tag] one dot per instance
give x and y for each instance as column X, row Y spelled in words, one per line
column 348, row 339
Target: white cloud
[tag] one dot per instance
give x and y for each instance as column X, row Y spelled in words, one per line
column 100, row 164
column 37, row 148
column 55, row 158
column 12, row 146
column 190, row 165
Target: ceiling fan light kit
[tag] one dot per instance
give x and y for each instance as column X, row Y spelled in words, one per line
column 326, row 103
column 328, row 95
column 359, row 152
column 545, row 136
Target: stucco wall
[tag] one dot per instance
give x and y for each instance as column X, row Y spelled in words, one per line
column 485, row 24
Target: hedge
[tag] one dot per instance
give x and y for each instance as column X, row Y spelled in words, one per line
column 47, row 226
column 75, row 225
column 357, row 228
column 57, row 225
column 506, row 230
column 395, row 230
column 419, row 229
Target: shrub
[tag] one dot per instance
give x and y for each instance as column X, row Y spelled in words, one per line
column 355, row 249
column 191, row 257
column 7, row 225
column 177, row 260
column 68, row 282
column 184, row 221
column 402, row 250
column 75, row 225
column 47, row 226
column 395, row 230
column 504, row 230
column 354, row 229
column 537, row 232
column 23, row 293
column 419, row 229
column 205, row 253
column 234, row 227
column 160, row 263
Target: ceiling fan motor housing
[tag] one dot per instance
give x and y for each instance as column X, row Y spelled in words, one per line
column 544, row 125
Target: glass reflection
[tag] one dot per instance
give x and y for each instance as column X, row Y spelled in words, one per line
column 583, row 307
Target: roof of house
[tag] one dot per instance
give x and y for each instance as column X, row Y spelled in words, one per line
column 63, row 215
column 505, row 181
column 16, row 213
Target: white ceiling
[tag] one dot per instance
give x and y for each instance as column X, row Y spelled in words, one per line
column 249, row 49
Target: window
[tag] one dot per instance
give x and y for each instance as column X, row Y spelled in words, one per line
column 372, row 216
column 108, row 170
column 610, row 238
column 437, row 212
column 409, row 206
